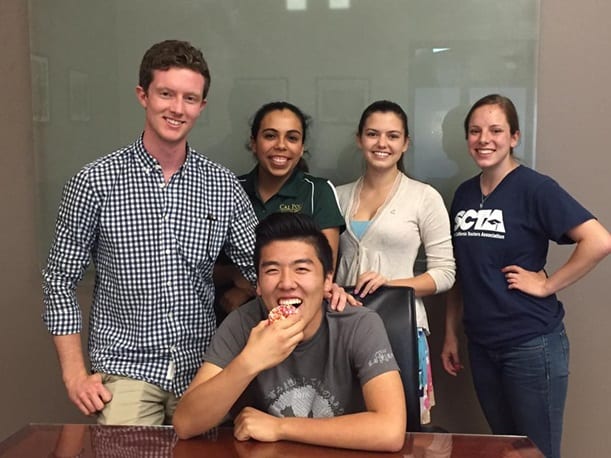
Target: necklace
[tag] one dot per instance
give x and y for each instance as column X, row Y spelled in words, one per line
column 484, row 197
column 483, row 200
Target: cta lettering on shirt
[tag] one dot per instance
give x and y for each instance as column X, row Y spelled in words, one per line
column 484, row 222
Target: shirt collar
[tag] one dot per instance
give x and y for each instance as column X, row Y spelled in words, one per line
column 249, row 182
column 289, row 189
column 291, row 186
column 149, row 162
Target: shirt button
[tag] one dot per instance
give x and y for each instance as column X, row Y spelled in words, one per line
column 169, row 283
column 162, row 185
column 168, row 252
column 170, row 315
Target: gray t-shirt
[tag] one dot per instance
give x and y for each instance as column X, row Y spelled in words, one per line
column 323, row 376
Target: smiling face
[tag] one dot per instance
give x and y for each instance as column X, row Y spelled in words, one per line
column 278, row 145
column 489, row 138
column 290, row 273
column 173, row 102
column 383, row 140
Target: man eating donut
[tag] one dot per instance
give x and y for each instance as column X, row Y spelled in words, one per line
column 317, row 376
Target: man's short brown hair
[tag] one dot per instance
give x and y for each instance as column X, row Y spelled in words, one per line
column 173, row 54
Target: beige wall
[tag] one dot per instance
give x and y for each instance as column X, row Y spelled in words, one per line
column 573, row 146
column 30, row 382
column 574, row 110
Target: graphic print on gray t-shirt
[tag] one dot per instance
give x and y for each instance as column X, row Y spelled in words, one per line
column 303, row 398
column 322, row 377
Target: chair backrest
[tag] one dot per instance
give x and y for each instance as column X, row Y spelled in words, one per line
column 396, row 306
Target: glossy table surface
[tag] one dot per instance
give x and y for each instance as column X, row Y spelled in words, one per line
column 141, row 441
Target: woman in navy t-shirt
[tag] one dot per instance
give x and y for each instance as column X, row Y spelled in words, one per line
column 503, row 220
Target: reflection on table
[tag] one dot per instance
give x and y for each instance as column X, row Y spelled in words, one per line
column 71, row 441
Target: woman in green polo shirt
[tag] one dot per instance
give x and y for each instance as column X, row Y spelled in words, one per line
column 279, row 182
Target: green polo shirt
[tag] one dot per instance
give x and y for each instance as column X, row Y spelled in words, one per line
column 302, row 193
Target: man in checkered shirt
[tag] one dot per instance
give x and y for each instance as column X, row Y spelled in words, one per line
column 153, row 217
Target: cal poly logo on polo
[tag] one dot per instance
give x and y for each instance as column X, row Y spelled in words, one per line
column 290, row 208
column 479, row 223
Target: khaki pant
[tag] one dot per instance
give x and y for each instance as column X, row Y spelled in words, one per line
column 135, row 402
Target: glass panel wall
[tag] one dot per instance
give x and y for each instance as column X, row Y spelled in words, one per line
column 329, row 57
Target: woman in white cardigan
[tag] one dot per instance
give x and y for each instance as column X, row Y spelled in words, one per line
column 388, row 217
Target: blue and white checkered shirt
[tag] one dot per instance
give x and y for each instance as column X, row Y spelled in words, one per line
column 154, row 245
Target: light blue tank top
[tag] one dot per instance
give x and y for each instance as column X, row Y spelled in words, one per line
column 359, row 227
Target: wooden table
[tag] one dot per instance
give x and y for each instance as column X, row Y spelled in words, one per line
column 142, row 441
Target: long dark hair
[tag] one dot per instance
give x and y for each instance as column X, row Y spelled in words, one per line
column 386, row 106
column 279, row 106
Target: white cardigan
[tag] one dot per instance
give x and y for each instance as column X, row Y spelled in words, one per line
column 413, row 215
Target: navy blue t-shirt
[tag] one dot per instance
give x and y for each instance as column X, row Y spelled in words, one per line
column 513, row 226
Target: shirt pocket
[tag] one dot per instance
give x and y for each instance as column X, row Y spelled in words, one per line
column 200, row 239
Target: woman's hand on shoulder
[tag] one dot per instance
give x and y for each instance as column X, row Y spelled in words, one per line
column 338, row 298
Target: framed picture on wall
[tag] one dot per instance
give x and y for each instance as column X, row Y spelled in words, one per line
column 40, row 88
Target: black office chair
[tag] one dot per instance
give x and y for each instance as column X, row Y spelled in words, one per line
column 396, row 306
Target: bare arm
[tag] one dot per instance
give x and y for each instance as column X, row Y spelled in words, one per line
column 223, row 273
column 593, row 245
column 214, row 390
column 381, row 427
column 85, row 390
column 338, row 298
column 212, row 393
column 423, row 284
column 450, row 356
column 332, row 234
column 369, row 282
column 237, row 290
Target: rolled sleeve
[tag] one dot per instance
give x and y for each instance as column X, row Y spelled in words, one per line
column 70, row 254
